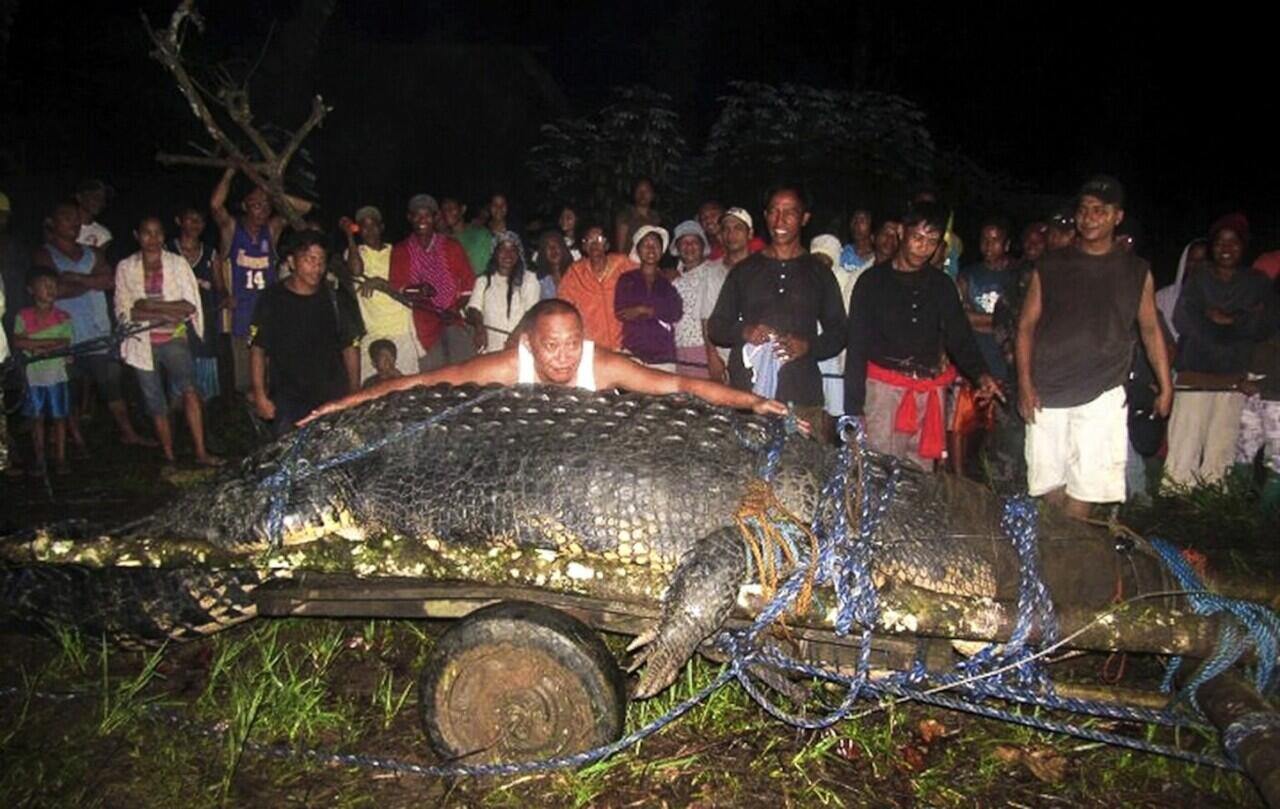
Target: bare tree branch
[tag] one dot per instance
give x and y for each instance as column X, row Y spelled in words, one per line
column 265, row 169
column 236, row 103
column 168, row 159
column 166, row 52
column 318, row 112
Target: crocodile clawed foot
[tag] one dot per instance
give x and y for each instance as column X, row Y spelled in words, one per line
column 662, row 657
column 643, row 639
column 702, row 591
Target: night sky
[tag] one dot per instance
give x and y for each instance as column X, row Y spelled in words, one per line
column 1172, row 105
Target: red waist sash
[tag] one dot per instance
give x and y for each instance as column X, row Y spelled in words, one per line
column 933, row 433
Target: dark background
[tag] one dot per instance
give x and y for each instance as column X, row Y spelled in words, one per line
column 447, row 96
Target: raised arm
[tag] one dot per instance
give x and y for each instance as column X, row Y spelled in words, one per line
column 218, row 204
column 355, row 261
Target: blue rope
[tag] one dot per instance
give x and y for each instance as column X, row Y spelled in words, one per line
column 1255, row 627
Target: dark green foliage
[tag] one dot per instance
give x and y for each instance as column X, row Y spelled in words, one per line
column 592, row 161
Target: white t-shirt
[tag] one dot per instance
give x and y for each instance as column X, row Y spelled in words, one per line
column 93, row 235
column 491, row 295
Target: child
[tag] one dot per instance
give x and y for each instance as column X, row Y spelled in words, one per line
column 37, row 330
column 382, row 353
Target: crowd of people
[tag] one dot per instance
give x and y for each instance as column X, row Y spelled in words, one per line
column 1053, row 350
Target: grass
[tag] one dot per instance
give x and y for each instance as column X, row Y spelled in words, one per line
column 291, row 682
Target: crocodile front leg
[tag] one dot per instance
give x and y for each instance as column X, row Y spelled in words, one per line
column 703, row 590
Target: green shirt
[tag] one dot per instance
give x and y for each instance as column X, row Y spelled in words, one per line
column 52, row 325
column 478, row 243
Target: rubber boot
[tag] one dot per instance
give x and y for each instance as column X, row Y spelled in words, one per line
column 1269, row 501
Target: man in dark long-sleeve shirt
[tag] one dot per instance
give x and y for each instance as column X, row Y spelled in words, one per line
column 903, row 316
column 782, row 293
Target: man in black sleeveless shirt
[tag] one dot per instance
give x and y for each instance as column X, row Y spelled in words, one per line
column 1075, row 342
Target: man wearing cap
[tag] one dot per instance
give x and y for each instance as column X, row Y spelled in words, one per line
column 591, row 285
column 435, row 266
column 772, row 303
column 905, row 320
column 737, row 235
column 248, row 243
column 698, row 281
column 384, row 316
column 92, row 197
column 1074, row 349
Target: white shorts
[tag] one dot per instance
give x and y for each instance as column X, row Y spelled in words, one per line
column 1082, row 448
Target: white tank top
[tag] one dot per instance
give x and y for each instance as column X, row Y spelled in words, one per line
column 525, row 375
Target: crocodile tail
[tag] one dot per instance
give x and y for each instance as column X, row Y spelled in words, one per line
column 133, row 606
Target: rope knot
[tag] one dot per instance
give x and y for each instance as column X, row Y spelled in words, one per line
column 771, row 532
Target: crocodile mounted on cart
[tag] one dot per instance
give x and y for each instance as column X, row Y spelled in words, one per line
column 541, row 513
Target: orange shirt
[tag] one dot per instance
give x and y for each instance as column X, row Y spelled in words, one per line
column 594, row 298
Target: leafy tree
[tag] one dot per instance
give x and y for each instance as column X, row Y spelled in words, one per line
column 592, row 161
column 842, row 145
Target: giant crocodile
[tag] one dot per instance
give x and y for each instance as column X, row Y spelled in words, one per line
column 549, row 487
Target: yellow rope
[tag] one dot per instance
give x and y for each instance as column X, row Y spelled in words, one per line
column 759, row 516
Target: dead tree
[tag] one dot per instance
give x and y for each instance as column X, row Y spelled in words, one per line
column 263, row 164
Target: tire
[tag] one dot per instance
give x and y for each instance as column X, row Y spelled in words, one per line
column 517, row 682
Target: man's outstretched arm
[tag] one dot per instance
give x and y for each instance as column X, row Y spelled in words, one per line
column 486, row 369
column 616, row 371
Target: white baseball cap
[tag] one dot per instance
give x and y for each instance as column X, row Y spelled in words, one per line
column 741, row 215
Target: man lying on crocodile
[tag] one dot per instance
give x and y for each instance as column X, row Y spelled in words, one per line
column 552, row 351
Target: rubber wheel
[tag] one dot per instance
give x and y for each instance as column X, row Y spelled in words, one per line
column 517, row 682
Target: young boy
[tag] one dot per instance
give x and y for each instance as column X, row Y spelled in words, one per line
column 37, row 330
column 382, row 353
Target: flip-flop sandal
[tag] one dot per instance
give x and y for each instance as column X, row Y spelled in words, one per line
column 211, row 461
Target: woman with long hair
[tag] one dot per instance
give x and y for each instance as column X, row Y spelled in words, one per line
column 506, row 292
column 551, row 262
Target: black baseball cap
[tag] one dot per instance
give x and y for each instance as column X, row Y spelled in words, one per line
column 1105, row 188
